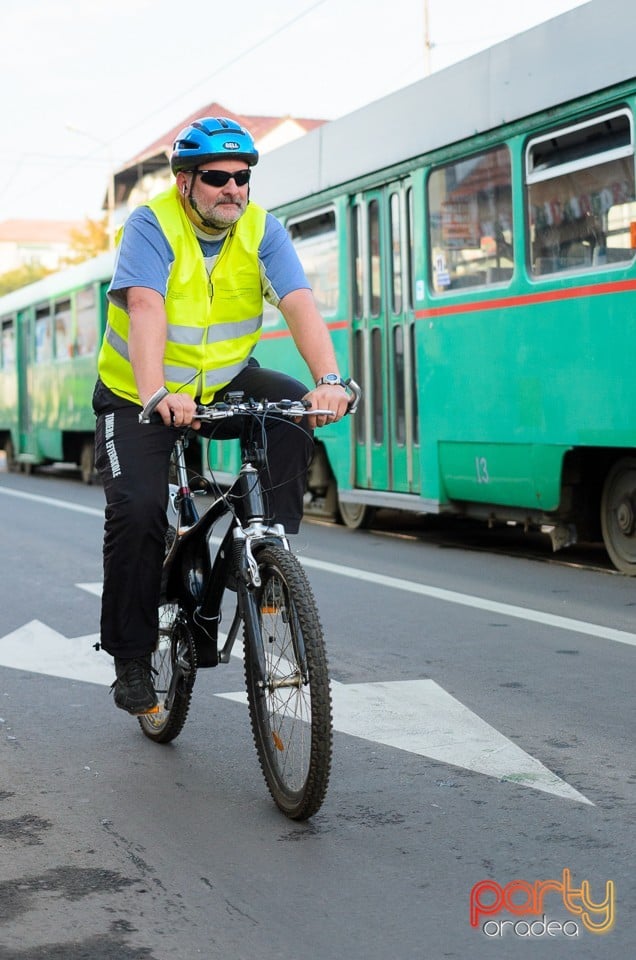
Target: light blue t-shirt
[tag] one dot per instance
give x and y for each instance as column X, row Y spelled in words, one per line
column 144, row 258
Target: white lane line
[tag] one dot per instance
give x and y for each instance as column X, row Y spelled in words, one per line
column 466, row 600
column 409, row 586
column 52, row 502
column 463, row 599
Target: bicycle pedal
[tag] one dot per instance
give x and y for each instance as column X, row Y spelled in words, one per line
column 145, row 713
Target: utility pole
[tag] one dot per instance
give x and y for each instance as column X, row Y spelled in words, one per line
column 427, row 41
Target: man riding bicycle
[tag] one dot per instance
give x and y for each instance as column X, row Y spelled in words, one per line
column 185, row 311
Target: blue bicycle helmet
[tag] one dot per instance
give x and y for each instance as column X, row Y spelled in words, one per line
column 212, row 138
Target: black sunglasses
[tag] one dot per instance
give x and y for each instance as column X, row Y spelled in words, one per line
column 218, row 178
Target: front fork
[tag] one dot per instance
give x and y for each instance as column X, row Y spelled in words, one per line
column 247, row 581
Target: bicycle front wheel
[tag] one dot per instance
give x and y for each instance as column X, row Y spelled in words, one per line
column 174, row 664
column 290, row 707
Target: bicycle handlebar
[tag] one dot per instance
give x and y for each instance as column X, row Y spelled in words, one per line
column 234, row 405
column 242, row 408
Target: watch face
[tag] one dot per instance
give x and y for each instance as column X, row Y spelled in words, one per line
column 331, row 378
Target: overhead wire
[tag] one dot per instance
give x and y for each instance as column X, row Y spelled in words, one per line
column 108, row 143
column 229, row 63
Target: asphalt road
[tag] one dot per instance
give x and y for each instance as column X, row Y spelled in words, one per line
column 484, row 735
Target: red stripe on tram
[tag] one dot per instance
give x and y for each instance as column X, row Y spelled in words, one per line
column 569, row 293
column 277, row 334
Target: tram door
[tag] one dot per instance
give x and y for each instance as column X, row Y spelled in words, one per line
column 25, row 373
column 383, row 339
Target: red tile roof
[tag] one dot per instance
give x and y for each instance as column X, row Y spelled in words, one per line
column 37, row 231
column 257, row 126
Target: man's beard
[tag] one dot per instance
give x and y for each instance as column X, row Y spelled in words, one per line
column 217, row 222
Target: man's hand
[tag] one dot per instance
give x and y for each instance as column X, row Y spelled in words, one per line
column 178, row 410
column 327, row 397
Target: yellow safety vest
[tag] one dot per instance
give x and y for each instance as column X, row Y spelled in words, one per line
column 214, row 321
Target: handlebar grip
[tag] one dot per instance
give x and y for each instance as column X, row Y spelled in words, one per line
column 356, row 390
column 152, row 403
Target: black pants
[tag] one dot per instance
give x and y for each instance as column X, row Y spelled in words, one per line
column 133, row 460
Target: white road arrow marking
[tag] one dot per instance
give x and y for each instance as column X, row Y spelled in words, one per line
column 37, row 648
column 94, row 588
column 421, row 717
column 418, row 716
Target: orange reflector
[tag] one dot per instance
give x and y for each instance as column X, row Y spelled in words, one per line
column 278, row 743
column 156, row 709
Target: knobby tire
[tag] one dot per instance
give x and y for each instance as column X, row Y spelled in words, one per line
column 291, row 715
column 175, row 650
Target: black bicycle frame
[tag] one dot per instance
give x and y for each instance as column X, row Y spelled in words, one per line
column 190, row 578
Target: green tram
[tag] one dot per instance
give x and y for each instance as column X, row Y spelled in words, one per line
column 50, row 336
column 471, row 241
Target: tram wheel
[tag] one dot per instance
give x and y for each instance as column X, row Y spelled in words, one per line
column 618, row 515
column 12, row 464
column 87, row 462
column 356, row 516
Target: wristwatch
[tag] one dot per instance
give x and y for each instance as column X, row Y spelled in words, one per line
column 331, row 380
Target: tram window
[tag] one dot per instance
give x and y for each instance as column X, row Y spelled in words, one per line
column 581, row 195
column 63, row 331
column 374, row 257
column 378, row 386
column 356, row 252
column 86, row 318
column 8, row 344
column 43, row 337
column 316, row 242
column 398, row 380
column 470, row 204
column 396, row 254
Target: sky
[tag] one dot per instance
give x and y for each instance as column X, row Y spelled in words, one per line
column 88, row 85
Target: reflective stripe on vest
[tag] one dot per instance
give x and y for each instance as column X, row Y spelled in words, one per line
column 214, row 322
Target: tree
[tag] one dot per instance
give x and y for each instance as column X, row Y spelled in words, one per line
column 87, row 241
column 21, row 276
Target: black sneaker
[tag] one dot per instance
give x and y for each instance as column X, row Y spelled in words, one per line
column 133, row 689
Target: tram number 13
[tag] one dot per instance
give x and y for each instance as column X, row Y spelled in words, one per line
column 481, row 468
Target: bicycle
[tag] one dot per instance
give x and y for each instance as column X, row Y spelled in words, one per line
column 285, row 663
